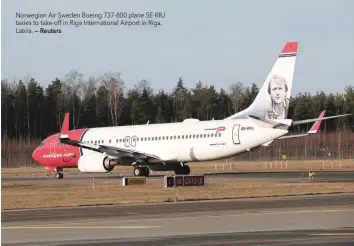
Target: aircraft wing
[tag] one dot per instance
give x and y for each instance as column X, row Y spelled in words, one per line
column 109, row 150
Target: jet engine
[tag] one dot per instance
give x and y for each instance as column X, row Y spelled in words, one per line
column 96, row 163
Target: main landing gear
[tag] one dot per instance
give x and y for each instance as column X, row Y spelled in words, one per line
column 59, row 173
column 185, row 169
column 141, row 171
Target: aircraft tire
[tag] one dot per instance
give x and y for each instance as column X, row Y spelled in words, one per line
column 186, row 169
column 146, row 171
column 59, row 175
column 138, row 171
column 183, row 170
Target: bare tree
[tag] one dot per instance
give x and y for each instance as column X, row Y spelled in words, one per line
column 78, row 87
column 62, row 102
column 115, row 87
column 144, row 85
column 237, row 96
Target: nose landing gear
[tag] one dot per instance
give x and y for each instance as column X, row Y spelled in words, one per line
column 59, row 173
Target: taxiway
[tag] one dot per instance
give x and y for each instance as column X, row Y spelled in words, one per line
column 313, row 220
column 281, row 176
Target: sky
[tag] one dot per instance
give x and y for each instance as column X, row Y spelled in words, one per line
column 217, row 42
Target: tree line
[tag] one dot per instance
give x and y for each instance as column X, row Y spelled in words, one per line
column 32, row 111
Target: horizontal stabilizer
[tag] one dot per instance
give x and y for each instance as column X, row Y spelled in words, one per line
column 293, row 136
column 269, row 123
column 315, row 119
column 313, row 130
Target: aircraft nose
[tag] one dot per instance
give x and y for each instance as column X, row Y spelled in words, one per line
column 35, row 155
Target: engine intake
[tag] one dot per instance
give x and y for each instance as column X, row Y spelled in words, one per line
column 96, row 163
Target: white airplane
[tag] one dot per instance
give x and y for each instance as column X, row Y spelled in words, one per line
column 170, row 146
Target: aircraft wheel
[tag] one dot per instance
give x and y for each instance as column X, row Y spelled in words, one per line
column 183, row 170
column 146, row 172
column 186, row 169
column 137, row 171
column 59, row 175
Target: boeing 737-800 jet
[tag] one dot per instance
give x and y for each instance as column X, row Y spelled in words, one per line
column 170, row 146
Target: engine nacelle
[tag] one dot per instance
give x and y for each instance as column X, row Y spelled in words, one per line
column 96, row 163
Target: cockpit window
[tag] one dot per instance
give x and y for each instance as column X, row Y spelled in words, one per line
column 41, row 144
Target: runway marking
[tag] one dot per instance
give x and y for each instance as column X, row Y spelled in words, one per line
column 77, row 227
column 195, row 217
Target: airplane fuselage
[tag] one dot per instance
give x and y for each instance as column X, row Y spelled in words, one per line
column 184, row 142
column 171, row 142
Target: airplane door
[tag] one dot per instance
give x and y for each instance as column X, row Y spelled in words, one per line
column 235, row 134
column 127, row 141
column 133, row 141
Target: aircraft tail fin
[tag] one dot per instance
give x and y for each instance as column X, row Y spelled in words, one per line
column 272, row 101
column 65, row 127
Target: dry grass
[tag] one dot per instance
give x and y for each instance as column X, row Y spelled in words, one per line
column 221, row 166
column 15, row 196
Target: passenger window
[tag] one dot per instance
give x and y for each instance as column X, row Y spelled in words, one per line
column 159, row 138
column 163, row 138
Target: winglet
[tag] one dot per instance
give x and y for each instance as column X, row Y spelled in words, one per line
column 65, row 127
column 317, row 124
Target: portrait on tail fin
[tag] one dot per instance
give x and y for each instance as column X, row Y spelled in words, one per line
column 273, row 98
column 278, row 92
